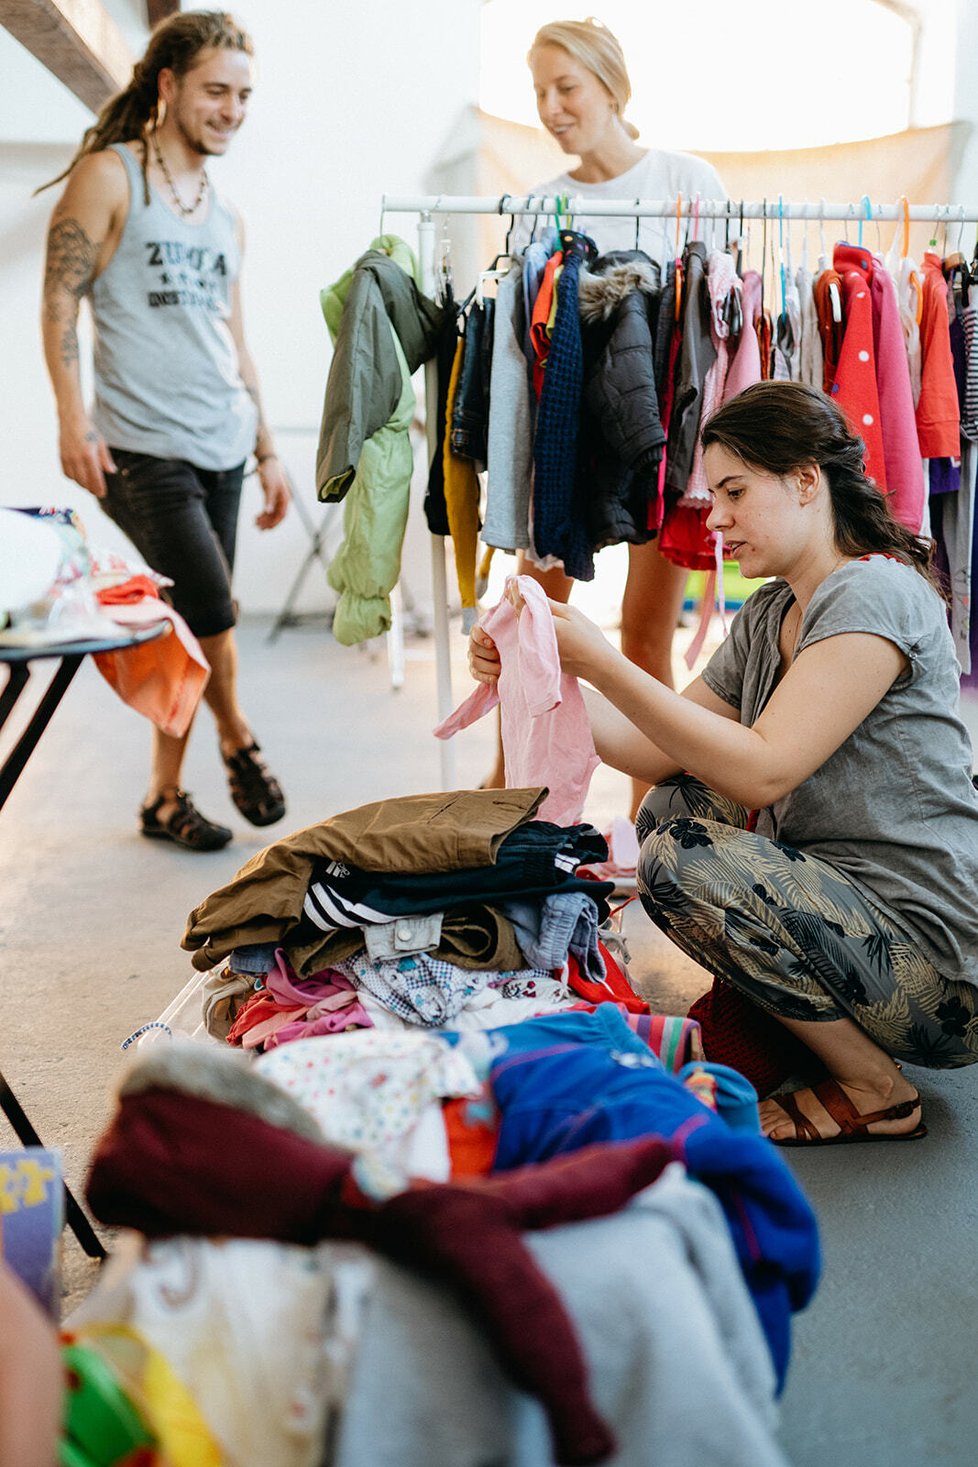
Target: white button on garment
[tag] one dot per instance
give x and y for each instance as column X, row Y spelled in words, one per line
column 864, row 356
column 868, row 419
column 404, row 932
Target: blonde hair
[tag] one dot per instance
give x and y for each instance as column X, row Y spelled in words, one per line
column 597, row 48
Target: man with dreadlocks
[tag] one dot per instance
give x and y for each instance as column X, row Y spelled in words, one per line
column 141, row 231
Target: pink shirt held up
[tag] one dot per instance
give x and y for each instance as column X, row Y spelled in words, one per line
column 545, row 728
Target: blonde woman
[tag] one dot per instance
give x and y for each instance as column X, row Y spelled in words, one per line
column 582, row 90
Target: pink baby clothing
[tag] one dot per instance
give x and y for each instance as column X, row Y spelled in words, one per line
column 545, row 728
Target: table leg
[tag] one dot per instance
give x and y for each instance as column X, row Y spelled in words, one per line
column 23, row 749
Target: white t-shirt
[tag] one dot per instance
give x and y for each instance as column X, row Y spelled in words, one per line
column 657, row 175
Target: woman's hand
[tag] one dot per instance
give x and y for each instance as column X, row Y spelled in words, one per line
column 581, row 644
column 484, row 661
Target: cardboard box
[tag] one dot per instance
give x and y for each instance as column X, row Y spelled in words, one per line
column 31, row 1221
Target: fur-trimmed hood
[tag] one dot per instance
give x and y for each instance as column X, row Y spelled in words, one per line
column 600, row 295
column 224, row 1076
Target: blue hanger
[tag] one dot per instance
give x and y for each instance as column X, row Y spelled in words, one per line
column 867, row 205
column 781, row 250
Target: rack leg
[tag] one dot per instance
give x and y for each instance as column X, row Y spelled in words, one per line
column 26, row 1134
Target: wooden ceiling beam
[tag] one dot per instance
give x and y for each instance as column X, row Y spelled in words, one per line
column 157, row 10
column 77, row 40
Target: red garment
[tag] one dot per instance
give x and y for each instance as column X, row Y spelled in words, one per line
column 854, row 388
column 938, row 411
column 829, row 329
column 684, row 538
column 764, row 342
column 542, row 306
column 254, row 1011
column 737, row 1033
column 904, row 470
column 615, row 988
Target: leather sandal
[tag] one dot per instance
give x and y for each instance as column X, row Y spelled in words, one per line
column 255, row 792
column 186, row 826
column 852, row 1126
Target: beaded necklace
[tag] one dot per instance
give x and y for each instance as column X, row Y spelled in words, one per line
column 185, row 210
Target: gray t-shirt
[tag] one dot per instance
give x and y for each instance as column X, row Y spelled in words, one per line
column 167, row 379
column 893, row 808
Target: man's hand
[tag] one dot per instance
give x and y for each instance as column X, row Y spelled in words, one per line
column 85, row 456
column 275, row 492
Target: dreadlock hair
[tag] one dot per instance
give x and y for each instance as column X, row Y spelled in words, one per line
column 174, row 45
column 777, row 427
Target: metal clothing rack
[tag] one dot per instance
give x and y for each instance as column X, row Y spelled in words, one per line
column 683, row 207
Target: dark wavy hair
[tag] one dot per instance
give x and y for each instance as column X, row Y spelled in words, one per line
column 174, row 45
column 781, row 426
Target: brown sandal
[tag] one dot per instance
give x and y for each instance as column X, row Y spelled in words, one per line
column 852, row 1125
column 186, row 826
column 256, row 793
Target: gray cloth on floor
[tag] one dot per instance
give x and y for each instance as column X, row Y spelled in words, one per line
column 678, row 1363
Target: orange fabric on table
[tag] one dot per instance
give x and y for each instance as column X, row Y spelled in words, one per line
column 164, row 679
column 938, row 411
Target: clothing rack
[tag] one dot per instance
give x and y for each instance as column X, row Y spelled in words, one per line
column 683, row 207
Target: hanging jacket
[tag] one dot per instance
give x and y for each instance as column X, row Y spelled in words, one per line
column 745, row 365
column 854, row 388
column 510, row 435
column 470, row 414
column 435, row 509
column 938, row 412
column 384, row 329
column 557, row 527
column 829, row 329
column 696, row 356
column 621, row 434
column 461, row 487
column 904, row 470
column 364, row 383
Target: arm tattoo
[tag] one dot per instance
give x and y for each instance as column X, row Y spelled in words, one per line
column 70, row 269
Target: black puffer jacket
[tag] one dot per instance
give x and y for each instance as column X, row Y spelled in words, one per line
column 621, row 434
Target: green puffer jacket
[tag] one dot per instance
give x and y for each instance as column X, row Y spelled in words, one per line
column 382, row 329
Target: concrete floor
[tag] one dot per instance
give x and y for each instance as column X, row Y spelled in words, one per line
column 90, row 922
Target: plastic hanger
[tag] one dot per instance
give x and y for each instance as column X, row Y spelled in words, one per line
column 445, row 275
column 868, row 208
column 536, row 217
column 784, row 305
column 823, row 255
column 835, row 294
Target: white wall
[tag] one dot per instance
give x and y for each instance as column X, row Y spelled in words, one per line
column 343, row 111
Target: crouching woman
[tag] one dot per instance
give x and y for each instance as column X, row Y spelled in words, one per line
column 811, row 837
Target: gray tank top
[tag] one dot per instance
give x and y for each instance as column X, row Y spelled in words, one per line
column 167, row 380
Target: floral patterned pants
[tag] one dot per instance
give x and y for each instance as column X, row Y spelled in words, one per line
column 790, row 931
